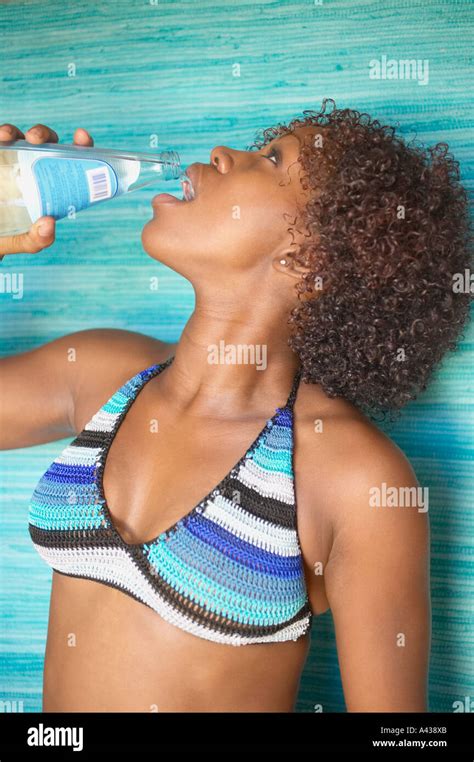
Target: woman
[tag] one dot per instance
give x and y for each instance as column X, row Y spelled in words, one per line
column 325, row 257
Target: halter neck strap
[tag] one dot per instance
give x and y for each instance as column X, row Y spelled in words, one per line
column 294, row 387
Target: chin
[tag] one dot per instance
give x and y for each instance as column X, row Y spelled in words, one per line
column 151, row 240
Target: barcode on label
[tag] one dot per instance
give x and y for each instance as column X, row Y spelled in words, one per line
column 99, row 184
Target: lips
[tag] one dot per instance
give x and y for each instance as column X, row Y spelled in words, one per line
column 188, row 191
column 166, row 198
column 189, row 186
column 193, row 173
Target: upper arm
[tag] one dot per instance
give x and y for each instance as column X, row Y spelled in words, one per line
column 377, row 577
column 41, row 388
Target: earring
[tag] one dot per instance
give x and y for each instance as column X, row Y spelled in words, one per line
column 283, row 261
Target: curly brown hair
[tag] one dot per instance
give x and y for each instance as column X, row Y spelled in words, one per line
column 386, row 231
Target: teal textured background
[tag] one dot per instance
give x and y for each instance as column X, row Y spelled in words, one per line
column 166, row 68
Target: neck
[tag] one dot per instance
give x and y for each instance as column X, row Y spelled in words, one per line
column 228, row 359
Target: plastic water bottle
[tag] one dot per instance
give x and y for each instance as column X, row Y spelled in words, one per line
column 60, row 180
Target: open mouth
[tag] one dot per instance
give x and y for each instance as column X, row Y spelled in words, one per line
column 188, row 190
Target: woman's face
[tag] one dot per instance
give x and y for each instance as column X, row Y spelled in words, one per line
column 244, row 203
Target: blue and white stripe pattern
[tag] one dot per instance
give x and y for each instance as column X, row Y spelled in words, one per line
column 229, row 571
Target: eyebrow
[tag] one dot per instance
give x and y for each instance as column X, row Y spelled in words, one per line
column 282, row 137
column 291, row 135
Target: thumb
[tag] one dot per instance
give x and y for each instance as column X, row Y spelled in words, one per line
column 38, row 237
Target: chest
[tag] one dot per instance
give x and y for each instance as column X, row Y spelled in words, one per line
column 160, row 465
column 224, row 486
column 157, row 467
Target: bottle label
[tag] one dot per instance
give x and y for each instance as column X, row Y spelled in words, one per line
column 66, row 185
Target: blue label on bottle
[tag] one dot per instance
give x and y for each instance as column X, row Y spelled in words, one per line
column 69, row 185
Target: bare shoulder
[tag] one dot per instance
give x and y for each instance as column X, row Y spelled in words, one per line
column 104, row 359
column 364, row 534
column 353, row 482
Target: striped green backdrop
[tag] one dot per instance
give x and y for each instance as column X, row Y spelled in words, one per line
column 168, row 68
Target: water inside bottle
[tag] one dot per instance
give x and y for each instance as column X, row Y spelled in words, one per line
column 13, row 212
column 20, row 202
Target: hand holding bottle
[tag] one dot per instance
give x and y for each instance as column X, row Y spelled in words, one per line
column 41, row 234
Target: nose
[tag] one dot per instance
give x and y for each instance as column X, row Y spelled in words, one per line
column 221, row 158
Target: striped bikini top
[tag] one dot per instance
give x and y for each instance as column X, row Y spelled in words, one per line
column 229, row 571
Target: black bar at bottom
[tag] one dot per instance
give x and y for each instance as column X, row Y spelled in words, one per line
column 87, row 735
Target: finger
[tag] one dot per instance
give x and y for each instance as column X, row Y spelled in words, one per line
column 37, row 238
column 82, row 138
column 41, row 134
column 10, row 132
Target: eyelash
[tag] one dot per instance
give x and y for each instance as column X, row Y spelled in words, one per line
column 273, row 152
